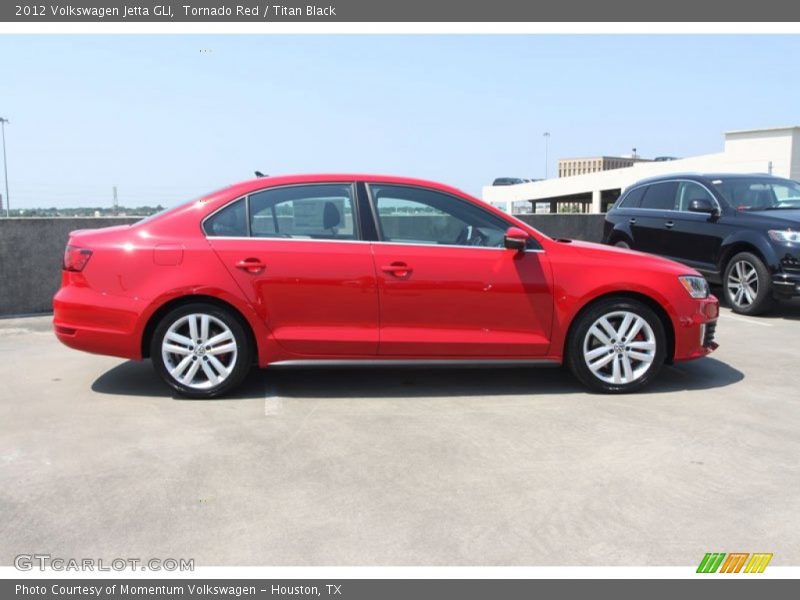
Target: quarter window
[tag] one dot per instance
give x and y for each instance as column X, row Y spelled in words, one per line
column 660, row 196
column 412, row 215
column 231, row 221
column 633, row 198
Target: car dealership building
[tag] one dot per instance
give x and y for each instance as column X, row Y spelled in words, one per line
column 775, row 151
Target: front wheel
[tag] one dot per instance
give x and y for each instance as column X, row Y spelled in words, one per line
column 747, row 283
column 201, row 350
column 617, row 345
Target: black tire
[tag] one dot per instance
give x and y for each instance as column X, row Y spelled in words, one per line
column 237, row 360
column 620, row 353
column 755, row 297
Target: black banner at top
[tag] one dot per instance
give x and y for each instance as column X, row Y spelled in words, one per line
column 468, row 11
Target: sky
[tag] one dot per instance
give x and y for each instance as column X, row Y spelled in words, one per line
column 167, row 118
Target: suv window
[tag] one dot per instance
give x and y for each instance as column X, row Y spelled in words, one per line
column 691, row 190
column 633, row 198
column 660, row 196
column 412, row 215
column 231, row 221
column 306, row 211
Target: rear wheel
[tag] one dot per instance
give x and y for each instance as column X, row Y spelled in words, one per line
column 201, row 350
column 747, row 283
column 617, row 345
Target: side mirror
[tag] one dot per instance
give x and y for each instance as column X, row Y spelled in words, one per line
column 702, row 205
column 516, row 239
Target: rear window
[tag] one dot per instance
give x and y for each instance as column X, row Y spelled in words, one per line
column 660, row 196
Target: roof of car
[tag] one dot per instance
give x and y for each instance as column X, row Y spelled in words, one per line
column 259, row 183
column 702, row 176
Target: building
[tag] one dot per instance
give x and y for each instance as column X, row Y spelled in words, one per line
column 775, row 151
column 568, row 167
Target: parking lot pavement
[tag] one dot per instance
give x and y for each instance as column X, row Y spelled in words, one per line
column 403, row 467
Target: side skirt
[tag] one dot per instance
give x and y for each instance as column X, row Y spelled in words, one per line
column 418, row 363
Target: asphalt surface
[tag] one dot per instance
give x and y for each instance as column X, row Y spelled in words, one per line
column 403, row 467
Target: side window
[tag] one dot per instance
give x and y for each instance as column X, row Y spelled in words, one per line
column 231, row 221
column 633, row 198
column 660, row 196
column 412, row 215
column 322, row 212
column 688, row 191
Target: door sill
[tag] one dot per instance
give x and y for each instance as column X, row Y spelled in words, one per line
column 419, row 363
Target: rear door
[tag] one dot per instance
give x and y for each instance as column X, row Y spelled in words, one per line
column 447, row 286
column 296, row 253
column 650, row 221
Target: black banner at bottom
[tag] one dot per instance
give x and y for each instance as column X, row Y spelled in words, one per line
column 731, row 588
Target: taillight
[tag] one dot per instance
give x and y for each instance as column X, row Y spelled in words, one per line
column 75, row 258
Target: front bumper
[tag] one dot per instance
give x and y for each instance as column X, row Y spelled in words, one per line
column 695, row 332
column 786, row 285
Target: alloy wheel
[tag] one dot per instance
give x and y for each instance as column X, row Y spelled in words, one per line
column 743, row 283
column 199, row 351
column 619, row 347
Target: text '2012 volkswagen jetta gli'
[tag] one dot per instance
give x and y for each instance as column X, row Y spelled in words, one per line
column 349, row 269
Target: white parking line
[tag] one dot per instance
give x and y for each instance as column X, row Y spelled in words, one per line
column 273, row 404
column 745, row 320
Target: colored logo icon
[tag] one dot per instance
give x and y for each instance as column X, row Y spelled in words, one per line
column 735, row 562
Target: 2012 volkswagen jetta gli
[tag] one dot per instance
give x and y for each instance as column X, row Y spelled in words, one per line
column 348, row 269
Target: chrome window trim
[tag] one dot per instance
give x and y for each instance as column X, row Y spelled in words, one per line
column 323, row 240
column 283, row 239
column 679, row 180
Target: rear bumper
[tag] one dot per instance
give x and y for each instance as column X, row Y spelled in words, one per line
column 99, row 323
column 694, row 333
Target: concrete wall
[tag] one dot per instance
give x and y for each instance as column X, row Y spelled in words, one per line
column 31, row 251
column 586, row 227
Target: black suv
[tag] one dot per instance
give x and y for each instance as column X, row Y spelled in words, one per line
column 740, row 231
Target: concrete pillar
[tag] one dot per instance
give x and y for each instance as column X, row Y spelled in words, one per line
column 597, row 204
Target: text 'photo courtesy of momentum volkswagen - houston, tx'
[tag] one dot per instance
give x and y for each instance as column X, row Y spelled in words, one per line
column 364, row 270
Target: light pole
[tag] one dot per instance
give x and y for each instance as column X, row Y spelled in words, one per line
column 546, row 135
column 3, row 122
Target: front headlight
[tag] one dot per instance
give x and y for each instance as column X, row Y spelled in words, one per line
column 784, row 235
column 695, row 285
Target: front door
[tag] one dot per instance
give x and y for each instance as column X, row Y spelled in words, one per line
column 447, row 286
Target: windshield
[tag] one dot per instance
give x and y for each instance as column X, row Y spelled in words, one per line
column 759, row 193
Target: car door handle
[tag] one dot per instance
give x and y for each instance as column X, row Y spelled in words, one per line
column 398, row 269
column 669, row 224
column 251, row 265
column 632, row 221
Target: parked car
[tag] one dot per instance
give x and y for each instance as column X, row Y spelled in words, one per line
column 509, row 181
column 352, row 270
column 739, row 231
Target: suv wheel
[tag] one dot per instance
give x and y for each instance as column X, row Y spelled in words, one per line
column 747, row 284
column 201, row 350
column 617, row 346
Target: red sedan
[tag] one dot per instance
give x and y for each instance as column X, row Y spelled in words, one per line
column 350, row 269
